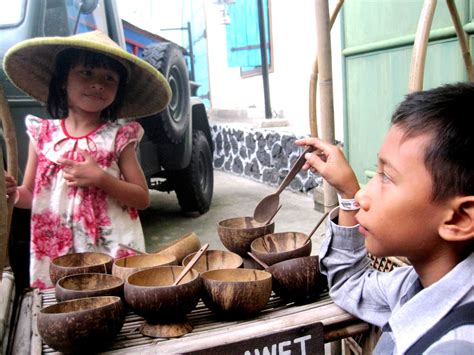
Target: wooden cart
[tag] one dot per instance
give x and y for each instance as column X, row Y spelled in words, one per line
column 275, row 326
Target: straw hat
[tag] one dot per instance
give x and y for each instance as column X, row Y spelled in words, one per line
column 30, row 64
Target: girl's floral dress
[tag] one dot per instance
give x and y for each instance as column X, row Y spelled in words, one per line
column 78, row 219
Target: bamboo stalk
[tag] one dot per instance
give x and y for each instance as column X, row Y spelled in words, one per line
column 12, row 164
column 3, row 214
column 325, row 88
column 418, row 58
column 466, row 55
column 313, row 116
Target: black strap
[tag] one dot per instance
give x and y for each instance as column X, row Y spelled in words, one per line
column 460, row 316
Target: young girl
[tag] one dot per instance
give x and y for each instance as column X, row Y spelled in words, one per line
column 82, row 180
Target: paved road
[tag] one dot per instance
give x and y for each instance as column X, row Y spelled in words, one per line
column 234, row 196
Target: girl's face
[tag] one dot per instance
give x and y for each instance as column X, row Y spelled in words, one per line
column 91, row 89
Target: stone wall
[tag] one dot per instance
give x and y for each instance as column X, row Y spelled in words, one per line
column 263, row 155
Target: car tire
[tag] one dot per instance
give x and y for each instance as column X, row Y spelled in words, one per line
column 194, row 185
column 169, row 60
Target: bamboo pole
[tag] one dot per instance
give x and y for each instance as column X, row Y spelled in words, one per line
column 12, row 164
column 466, row 55
column 325, row 88
column 418, row 58
column 3, row 216
column 313, row 116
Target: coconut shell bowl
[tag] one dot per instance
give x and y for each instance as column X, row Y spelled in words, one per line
column 236, row 293
column 297, row 280
column 238, row 233
column 126, row 266
column 152, row 295
column 88, row 285
column 214, row 260
column 276, row 247
column 83, row 325
column 79, row 263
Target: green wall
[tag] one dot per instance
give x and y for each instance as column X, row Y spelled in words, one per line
column 378, row 37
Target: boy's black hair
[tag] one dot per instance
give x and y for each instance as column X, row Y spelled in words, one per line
column 446, row 113
column 57, row 99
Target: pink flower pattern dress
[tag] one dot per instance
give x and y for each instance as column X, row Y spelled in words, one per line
column 78, row 219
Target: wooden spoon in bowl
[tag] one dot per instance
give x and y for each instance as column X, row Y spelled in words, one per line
column 191, row 264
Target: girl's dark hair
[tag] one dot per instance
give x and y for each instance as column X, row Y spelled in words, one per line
column 57, row 99
column 445, row 113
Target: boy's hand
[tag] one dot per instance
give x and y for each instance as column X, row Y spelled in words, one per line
column 329, row 161
column 81, row 173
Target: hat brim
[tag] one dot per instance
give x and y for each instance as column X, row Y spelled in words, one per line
column 30, row 65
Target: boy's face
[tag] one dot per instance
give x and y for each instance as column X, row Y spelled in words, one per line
column 397, row 215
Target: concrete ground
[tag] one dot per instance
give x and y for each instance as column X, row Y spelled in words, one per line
column 234, row 196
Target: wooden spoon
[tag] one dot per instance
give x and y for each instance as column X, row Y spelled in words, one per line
column 260, row 262
column 268, row 206
column 191, row 264
column 315, row 228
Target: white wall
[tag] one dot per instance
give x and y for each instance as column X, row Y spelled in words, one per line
column 294, row 50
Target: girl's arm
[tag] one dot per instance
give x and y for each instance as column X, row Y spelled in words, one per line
column 26, row 189
column 131, row 192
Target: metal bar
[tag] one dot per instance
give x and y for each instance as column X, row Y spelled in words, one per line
column 245, row 48
column 191, row 51
column 403, row 41
column 263, row 55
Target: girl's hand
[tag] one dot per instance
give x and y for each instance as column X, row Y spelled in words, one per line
column 329, row 161
column 11, row 185
column 81, row 174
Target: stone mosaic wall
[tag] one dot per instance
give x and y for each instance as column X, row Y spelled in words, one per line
column 264, row 155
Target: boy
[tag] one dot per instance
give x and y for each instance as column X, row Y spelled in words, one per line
column 420, row 205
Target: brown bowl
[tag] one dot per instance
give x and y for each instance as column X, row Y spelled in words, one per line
column 276, row 247
column 238, row 233
column 150, row 293
column 182, row 247
column 215, row 259
column 88, row 285
column 298, row 280
column 85, row 324
column 126, row 266
column 79, row 263
column 236, row 293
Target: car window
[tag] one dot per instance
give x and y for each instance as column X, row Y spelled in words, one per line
column 61, row 16
column 12, row 13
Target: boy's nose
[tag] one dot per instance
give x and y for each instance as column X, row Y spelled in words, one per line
column 362, row 198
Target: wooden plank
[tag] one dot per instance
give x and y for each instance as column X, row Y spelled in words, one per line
column 36, row 341
column 328, row 314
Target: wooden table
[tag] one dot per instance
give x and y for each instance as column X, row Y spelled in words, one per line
column 208, row 330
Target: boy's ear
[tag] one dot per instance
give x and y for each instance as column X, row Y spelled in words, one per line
column 459, row 222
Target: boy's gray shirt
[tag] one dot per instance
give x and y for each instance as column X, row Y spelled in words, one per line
column 394, row 301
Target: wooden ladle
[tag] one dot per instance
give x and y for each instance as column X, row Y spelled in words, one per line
column 191, row 264
column 260, row 262
column 268, row 206
column 316, row 227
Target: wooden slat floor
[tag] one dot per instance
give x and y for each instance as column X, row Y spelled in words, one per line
column 202, row 319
